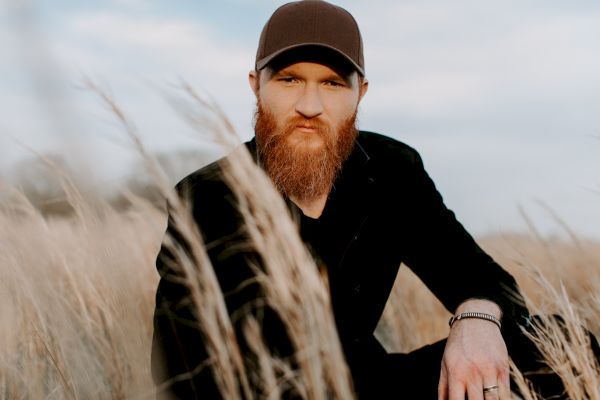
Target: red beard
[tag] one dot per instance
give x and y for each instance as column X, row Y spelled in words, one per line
column 300, row 170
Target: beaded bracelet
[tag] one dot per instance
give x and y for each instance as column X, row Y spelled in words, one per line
column 478, row 315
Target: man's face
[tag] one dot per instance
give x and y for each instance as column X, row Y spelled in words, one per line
column 305, row 124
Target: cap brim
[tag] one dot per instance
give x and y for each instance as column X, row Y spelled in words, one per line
column 262, row 63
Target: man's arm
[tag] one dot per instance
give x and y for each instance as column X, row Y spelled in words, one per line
column 180, row 341
column 465, row 279
column 179, row 356
column 446, row 257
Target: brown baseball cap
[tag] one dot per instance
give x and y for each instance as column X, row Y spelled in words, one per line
column 311, row 23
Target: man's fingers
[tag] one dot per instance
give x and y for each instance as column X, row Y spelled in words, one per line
column 456, row 390
column 475, row 391
column 491, row 389
column 504, row 383
column 443, row 385
column 504, row 393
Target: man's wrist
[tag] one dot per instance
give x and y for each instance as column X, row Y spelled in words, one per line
column 481, row 306
column 475, row 315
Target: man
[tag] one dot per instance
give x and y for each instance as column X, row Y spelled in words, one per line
column 365, row 204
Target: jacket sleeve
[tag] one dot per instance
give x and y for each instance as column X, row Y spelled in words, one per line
column 445, row 256
column 178, row 350
column 179, row 343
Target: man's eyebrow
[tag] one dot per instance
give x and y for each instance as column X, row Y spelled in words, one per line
column 336, row 77
column 284, row 72
column 347, row 79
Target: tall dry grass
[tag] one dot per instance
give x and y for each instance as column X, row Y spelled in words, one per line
column 77, row 296
column 76, row 299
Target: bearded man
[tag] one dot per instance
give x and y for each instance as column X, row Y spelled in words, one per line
column 365, row 205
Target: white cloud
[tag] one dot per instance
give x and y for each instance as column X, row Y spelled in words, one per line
column 429, row 95
column 176, row 43
column 453, row 60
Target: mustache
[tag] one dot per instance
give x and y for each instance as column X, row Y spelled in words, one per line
column 302, row 122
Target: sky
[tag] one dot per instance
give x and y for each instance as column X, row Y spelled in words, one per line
column 501, row 98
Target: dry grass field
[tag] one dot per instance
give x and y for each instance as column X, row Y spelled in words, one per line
column 76, row 299
column 77, row 296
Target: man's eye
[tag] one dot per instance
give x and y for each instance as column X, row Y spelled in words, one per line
column 288, row 79
column 334, row 83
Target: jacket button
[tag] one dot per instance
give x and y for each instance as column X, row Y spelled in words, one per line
column 357, row 289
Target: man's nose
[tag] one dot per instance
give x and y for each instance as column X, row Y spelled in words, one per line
column 310, row 104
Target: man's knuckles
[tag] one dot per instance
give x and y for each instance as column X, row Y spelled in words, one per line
column 467, row 369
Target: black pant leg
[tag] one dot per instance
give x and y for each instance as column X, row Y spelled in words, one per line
column 414, row 375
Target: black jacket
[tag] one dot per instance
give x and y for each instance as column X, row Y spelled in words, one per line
column 383, row 210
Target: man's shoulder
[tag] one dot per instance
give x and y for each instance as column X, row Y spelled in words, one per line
column 210, row 174
column 383, row 150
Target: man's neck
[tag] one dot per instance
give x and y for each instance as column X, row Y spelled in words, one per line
column 312, row 208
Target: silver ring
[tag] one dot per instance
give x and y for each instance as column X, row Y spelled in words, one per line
column 489, row 389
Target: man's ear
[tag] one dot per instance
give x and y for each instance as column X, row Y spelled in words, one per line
column 254, row 80
column 364, row 87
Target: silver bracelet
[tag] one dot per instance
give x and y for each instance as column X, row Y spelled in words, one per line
column 478, row 315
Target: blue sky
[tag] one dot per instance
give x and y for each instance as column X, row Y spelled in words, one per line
column 501, row 98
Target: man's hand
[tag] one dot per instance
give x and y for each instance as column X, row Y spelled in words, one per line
column 475, row 357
